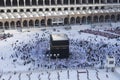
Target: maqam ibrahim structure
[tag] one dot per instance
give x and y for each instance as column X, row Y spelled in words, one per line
column 41, row 13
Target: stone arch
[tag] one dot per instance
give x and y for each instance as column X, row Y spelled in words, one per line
column 84, row 8
column 49, row 22
column 66, row 21
column 6, row 25
column 72, row 8
column 95, row 19
column 1, row 25
column 47, row 9
column 65, row 9
column 101, row 18
column 37, row 23
column 84, row 20
column 15, row 10
column 59, row 9
column 31, row 23
column 78, row 8
column 43, row 22
column 107, row 18
column 72, row 20
column 89, row 19
column 113, row 18
column 21, row 10
column 18, row 24
column 25, row 23
column 53, row 9
column 12, row 24
column 78, row 20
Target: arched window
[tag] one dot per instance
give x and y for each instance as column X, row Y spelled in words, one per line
column 34, row 2
column 84, row 20
column 49, row 22
column 14, row 3
column 52, row 2
column 42, row 22
column 78, row 20
column 89, row 19
column 8, row 10
column 72, row 20
column 66, row 21
column 37, row 23
column 6, row 24
column 71, row 1
column 8, row 2
column 53, row 9
column 12, row 24
column 21, row 10
column 77, row 1
column 31, row 24
column 21, row 2
column 96, row 1
column 65, row 2
column 27, row 2
column 40, row 2
column 47, row 2
column 90, row 1
column 59, row 2
column 101, row 18
column 2, row 3
column 59, row 9
column 25, row 23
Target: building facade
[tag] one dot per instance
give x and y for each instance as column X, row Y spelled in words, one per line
column 40, row 13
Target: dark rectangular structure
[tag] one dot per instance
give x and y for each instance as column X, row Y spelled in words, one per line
column 59, row 46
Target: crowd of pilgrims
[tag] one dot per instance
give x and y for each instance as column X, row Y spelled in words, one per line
column 83, row 52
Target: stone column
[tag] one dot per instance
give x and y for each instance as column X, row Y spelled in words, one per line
column 87, row 1
column 37, row 2
column 118, row 1
column 99, row 1
column 30, row 2
column 5, row 3
column 24, row 3
column 80, row 1
column 18, row 2
column 11, row 2
column 68, row 2
column 50, row 2
column 55, row 2
column 75, row 2
column 43, row 2
column 93, row 1
column 62, row 2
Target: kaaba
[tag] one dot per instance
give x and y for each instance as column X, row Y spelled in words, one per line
column 59, row 46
